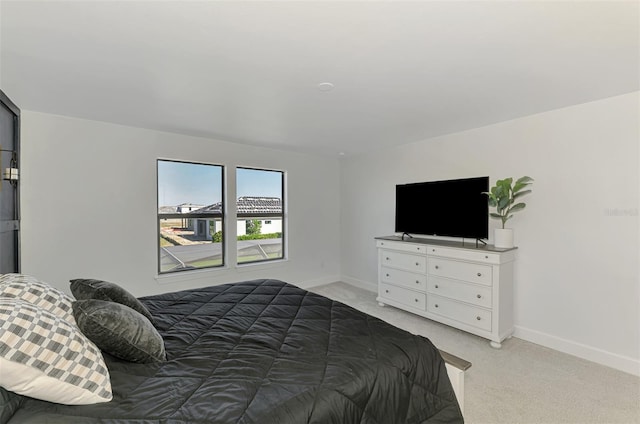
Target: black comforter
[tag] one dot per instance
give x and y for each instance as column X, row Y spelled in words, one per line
column 263, row 352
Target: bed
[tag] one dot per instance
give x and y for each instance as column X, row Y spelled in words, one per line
column 264, row 351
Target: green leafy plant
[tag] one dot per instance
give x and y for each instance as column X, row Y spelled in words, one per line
column 253, row 226
column 503, row 197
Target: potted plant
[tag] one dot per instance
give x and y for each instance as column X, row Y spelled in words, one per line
column 503, row 196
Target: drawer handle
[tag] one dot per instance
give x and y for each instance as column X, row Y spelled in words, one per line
column 478, row 318
column 436, row 305
column 387, row 275
column 416, row 300
column 437, row 267
column 417, row 281
column 479, row 275
column 386, row 291
column 436, row 286
column 479, row 296
column 486, row 256
column 387, row 258
column 417, row 264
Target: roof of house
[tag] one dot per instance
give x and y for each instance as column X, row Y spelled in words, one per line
column 248, row 204
column 167, row 209
column 188, row 207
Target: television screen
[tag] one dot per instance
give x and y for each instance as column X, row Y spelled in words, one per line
column 451, row 208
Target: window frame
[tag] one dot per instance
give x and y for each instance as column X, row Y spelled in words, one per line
column 259, row 215
column 215, row 215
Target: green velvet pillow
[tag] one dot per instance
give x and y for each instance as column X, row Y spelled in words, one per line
column 86, row 288
column 119, row 330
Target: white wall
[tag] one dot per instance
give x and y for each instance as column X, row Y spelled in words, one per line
column 89, row 199
column 577, row 283
column 89, row 205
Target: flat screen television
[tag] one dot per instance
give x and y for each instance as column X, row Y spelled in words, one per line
column 450, row 208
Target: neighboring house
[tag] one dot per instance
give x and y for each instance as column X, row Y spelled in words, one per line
column 167, row 209
column 246, row 205
column 187, row 207
column 181, row 208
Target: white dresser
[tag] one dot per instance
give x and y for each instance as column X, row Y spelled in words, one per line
column 461, row 285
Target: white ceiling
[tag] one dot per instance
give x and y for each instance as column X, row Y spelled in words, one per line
column 248, row 72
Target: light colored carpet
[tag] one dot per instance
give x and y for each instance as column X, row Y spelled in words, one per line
column 520, row 383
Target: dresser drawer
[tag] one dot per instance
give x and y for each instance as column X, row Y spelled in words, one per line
column 477, row 255
column 467, row 314
column 457, row 290
column 404, row 278
column 405, row 261
column 404, row 296
column 417, row 248
column 466, row 271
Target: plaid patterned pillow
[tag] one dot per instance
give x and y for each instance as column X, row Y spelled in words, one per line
column 38, row 293
column 45, row 357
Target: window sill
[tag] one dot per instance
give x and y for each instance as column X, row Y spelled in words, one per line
column 207, row 273
column 251, row 266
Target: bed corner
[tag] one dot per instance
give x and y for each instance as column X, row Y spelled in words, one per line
column 456, row 367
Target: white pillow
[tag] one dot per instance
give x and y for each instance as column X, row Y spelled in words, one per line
column 38, row 293
column 47, row 358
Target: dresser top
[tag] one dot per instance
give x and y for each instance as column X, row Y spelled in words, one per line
column 471, row 245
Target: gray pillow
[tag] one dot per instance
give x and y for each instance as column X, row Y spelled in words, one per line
column 9, row 403
column 86, row 288
column 119, row 330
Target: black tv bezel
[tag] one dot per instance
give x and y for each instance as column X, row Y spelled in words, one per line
column 481, row 229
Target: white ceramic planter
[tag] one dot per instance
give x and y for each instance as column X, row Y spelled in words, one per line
column 503, row 238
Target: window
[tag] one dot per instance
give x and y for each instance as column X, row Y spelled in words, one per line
column 260, row 215
column 190, row 216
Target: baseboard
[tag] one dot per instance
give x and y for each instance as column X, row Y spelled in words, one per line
column 361, row 284
column 590, row 353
